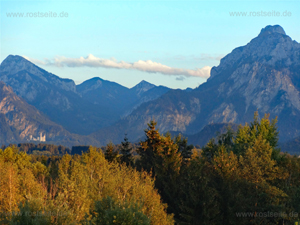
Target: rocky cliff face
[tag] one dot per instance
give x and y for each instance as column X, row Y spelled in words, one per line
column 262, row 76
column 265, row 75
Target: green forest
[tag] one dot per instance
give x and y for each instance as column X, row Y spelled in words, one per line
column 239, row 177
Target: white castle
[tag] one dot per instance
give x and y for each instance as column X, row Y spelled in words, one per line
column 41, row 138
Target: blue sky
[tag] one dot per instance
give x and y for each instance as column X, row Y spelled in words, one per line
column 163, row 42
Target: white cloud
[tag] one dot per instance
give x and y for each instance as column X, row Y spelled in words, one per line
column 146, row 66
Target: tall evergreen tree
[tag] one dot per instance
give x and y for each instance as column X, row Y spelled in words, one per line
column 160, row 155
column 150, row 148
column 126, row 155
column 184, row 148
column 110, row 154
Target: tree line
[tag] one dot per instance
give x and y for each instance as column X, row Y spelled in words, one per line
column 240, row 177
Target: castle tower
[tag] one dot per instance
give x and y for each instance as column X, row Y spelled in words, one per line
column 44, row 138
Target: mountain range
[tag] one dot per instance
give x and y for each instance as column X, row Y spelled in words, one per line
column 94, row 104
column 263, row 76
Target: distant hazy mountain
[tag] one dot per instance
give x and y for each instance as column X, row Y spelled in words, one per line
column 54, row 96
column 206, row 134
column 144, row 92
column 210, row 131
column 291, row 146
column 119, row 99
column 19, row 120
column 263, row 75
column 103, row 92
column 81, row 109
column 141, row 88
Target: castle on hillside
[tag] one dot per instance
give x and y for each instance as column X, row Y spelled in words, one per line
column 41, row 138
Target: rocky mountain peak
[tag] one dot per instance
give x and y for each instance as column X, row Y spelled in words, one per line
column 89, row 85
column 94, row 80
column 271, row 30
column 15, row 63
column 144, row 83
column 272, row 47
column 142, row 87
column 17, row 72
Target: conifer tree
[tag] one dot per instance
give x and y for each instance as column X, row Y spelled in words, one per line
column 248, row 134
column 167, row 170
column 110, row 154
column 150, row 148
column 184, row 148
column 160, row 155
column 126, row 155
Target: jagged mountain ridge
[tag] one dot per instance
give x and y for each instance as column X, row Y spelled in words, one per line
column 81, row 109
column 121, row 99
column 55, row 97
column 261, row 76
